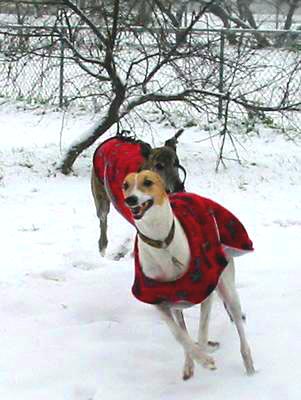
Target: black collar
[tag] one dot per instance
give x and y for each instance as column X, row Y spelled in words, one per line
column 159, row 244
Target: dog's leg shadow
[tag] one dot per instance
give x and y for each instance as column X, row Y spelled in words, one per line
column 121, row 250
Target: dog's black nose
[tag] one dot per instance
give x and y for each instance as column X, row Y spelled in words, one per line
column 131, row 201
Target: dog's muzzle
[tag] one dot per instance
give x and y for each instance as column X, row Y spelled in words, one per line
column 138, row 210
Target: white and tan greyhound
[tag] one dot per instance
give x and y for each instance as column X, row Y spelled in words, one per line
column 180, row 259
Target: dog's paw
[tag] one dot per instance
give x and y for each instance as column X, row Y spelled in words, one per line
column 188, row 369
column 121, row 251
column 213, row 345
column 209, row 363
column 102, row 249
column 248, row 362
column 251, row 370
column 202, row 358
column 210, row 346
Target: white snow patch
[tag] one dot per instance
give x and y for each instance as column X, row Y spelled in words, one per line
column 70, row 328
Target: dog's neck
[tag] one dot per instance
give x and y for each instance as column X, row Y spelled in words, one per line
column 170, row 261
column 157, row 222
column 159, row 244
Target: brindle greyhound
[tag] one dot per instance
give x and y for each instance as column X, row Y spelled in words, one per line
column 117, row 157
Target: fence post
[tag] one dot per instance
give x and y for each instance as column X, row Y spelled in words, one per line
column 61, row 83
column 221, row 73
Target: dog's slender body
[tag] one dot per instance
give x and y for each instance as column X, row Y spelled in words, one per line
column 118, row 156
column 164, row 255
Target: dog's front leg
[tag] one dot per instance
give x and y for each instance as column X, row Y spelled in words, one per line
column 205, row 310
column 189, row 364
column 192, row 349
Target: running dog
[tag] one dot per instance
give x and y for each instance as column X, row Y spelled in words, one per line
column 184, row 250
column 117, row 157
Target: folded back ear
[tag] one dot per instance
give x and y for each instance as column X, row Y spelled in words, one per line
column 145, row 149
column 172, row 142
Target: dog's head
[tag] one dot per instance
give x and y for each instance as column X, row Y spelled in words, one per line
column 165, row 162
column 142, row 191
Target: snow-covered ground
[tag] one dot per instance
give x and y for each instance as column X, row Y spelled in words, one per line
column 70, row 328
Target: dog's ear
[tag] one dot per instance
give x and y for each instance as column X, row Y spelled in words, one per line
column 172, row 142
column 145, row 149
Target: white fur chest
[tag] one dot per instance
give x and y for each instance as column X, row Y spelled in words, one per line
column 166, row 264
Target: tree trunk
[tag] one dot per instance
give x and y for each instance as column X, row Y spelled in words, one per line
column 109, row 120
column 283, row 39
column 77, row 148
column 144, row 13
column 179, row 17
column 289, row 18
column 261, row 39
column 246, row 15
column 222, row 15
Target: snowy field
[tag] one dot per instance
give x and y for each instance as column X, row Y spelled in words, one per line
column 70, row 328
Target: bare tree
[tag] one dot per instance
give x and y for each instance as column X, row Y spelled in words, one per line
column 235, row 14
column 293, row 5
column 132, row 84
column 156, row 65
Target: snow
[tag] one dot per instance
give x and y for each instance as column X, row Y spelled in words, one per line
column 70, row 328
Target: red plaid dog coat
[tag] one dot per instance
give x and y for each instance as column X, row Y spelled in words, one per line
column 213, row 233
column 113, row 160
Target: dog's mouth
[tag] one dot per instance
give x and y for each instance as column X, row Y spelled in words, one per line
column 139, row 211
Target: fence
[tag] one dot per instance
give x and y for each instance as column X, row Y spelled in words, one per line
column 36, row 66
column 41, row 78
column 270, row 76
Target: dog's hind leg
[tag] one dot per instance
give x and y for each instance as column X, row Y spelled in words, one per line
column 192, row 349
column 205, row 310
column 227, row 290
column 189, row 364
column 102, row 204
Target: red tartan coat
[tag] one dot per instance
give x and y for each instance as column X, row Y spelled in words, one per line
column 211, row 232
column 113, row 160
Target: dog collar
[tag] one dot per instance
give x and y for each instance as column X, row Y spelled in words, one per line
column 159, row 244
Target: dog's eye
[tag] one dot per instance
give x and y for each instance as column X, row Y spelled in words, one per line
column 125, row 186
column 147, row 183
column 159, row 166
